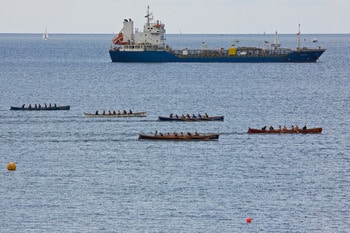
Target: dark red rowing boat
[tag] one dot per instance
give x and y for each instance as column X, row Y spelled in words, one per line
column 286, row 131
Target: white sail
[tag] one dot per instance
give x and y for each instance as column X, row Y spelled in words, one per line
column 45, row 35
column 276, row 41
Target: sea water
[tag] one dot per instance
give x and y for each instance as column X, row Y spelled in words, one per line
column 78, row 174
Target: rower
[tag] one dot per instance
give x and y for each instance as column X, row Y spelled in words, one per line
column 96, row 113
column 171, row 115
column 263, row 128
column 23, row 105
column 206, row 115
column 130, row 111
column 304, row 128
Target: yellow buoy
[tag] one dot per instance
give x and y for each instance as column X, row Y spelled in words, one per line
column 11, row 166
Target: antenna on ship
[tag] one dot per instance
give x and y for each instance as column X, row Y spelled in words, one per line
column 298, row 34
column 148, row 16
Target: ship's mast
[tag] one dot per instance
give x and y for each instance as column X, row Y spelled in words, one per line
column 298, row 37
column 148, row 16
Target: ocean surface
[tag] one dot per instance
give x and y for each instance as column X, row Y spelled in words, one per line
column 78, row 174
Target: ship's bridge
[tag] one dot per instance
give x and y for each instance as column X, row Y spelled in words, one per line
column 153, row 33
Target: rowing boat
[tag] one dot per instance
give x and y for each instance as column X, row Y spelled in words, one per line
column 52, row 108
column 285, row 131
column 134, row 114
column 181, row 118
column 197, row 137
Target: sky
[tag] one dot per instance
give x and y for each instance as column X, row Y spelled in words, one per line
column 185, row 16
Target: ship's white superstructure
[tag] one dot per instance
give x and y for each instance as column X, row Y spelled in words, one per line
column 152, row 36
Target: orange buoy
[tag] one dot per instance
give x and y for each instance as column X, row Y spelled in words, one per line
column 249, row 220
column 11, row 166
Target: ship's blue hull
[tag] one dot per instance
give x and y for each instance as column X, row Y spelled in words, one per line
column 309, row 55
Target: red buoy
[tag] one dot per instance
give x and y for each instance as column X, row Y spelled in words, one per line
column 249, row 220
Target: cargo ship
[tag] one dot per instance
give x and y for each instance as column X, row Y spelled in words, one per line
column 131, row 45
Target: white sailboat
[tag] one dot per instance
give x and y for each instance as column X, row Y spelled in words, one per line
column 276, row 42
column 46, row 35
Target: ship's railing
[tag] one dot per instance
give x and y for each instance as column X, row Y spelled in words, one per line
column 202, row 53
column 137, row 47
column 251, row 52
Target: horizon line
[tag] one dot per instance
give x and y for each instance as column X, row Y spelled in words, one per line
column 114, row 33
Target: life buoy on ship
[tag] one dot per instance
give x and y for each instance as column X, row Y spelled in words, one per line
column 159, row 25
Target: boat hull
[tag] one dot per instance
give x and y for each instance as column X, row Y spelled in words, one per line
column 136, row 114
column 201, row 137
column 288, row 131
column 308, row 55
column 41, row 108
column 213, row 118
